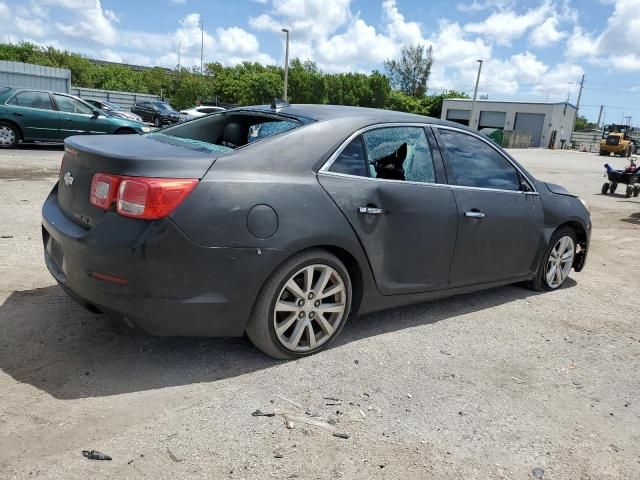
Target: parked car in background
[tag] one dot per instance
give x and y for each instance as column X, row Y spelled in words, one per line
column 201, row 111
column 156, row 112
column 114, row 109
column 283, row 222
column 38, row 115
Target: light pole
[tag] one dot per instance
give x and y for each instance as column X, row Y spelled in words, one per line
column 286, row 63
column 201, row 44
column 475, row 94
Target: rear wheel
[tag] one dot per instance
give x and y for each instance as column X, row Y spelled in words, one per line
column 125, row 131
column 9, row 135
column 556, row 261
column 612, row 188
column 605, row 188
column 302, row 307
column 636, row 191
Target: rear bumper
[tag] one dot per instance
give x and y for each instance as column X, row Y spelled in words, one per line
column 173, row 286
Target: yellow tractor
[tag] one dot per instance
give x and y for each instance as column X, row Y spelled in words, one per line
column 616, row 140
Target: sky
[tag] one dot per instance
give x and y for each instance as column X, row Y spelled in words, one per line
column 532, row 50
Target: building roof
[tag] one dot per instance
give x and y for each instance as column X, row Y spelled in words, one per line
column 507, row 101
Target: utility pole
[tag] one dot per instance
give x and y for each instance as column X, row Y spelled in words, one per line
column 201, row 44
column 600, row 115
column 575, row 117
column 286, row 63
column 475, row 94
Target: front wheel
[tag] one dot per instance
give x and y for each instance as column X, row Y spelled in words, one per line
column 157, row 122
column 9, row 135
column 303, row 306
column 557, row 261
column 605, row 188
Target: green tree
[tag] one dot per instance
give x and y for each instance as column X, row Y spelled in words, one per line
column 583, row 124
column 410, row 74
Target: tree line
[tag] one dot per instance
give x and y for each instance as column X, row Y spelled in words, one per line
column 402, row 88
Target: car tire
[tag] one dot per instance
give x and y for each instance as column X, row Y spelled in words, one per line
column 605, row 188
column 541, row 281
column 125, row 131
column 604, row 153
column 284, row 323
column 9, row 135
column 157, row 122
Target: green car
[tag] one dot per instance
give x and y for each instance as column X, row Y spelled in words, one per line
column 37, row 115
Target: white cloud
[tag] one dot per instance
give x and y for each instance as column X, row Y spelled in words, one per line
column 617, row 46
column 90, row 22
column 505, row 26
column 547, row 33
column 178, row 2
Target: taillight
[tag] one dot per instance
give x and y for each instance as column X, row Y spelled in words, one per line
column 140, row 197
column 103, row 190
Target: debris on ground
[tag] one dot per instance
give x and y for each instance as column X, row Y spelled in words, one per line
column 173, row 457
column 259, row 413
column 341, row 435
column 95, row 455
column 537, row 472
column 295, row 404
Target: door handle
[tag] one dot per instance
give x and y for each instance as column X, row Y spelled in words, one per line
column 474, row 214
column 370, row 210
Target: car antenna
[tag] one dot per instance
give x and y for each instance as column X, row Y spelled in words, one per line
column 279, row 103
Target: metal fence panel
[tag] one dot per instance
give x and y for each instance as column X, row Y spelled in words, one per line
column 124, row 99
column 39, row 77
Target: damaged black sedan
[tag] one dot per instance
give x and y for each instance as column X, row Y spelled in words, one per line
column 281, row 222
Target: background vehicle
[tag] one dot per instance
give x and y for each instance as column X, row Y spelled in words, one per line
column 282, row 222
column 37, row 115
column 629, row 177
column 158, row 113
column 616, row 140
column 201, row 111
column 114, row 109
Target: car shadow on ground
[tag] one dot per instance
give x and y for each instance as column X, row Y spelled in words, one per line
column 40, row 146
column 51, row 343
column 634, row 219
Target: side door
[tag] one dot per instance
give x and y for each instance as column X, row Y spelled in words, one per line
column 389, row 183
column 145, row 111
column 500, row 214
column 34, row 113
column 77, row 117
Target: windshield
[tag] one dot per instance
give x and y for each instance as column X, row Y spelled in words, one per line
column 112, row 106
column 163, row 106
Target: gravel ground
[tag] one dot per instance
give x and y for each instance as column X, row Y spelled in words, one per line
column 506, row 383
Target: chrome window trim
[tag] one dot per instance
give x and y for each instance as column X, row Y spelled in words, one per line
column 325, row 169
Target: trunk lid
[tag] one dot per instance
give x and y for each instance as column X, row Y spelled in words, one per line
column 130, row 155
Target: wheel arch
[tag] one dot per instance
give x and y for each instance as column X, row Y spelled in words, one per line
column 18, row 128
column 582, row 238
column 123, row 130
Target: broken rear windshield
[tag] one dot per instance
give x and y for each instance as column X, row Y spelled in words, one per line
column 226, row 131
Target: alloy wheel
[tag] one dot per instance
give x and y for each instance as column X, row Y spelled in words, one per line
column 560, row 262
column 309, row 308
column 7, row 135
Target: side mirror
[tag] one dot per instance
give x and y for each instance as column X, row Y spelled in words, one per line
column 96, row 112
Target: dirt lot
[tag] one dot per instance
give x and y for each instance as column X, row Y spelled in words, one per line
column 489, row 385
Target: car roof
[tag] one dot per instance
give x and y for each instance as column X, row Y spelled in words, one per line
column 362, row 115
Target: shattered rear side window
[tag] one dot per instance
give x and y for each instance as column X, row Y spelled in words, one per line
column 266, row 129
column 196, row 145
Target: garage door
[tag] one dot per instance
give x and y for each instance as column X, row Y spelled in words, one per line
column 531, row 123
column 459, row 116
column 492, row 120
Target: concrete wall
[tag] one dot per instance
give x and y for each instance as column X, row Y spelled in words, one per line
column 38, row 77
column 124, row 99
column 558, row 116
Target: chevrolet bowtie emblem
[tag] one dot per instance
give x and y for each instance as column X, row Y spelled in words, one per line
column 68, row 179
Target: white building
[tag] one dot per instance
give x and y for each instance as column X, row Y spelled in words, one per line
column 547, row 123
